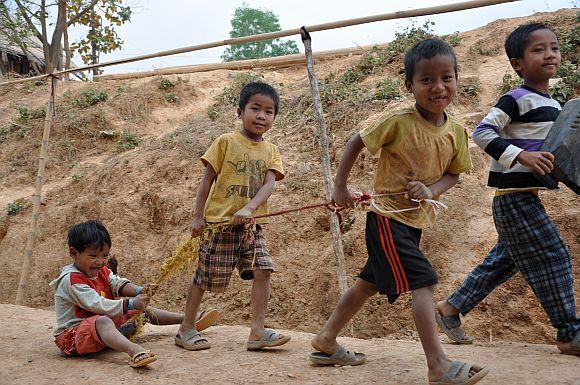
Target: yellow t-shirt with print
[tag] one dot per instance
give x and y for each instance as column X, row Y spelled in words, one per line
column 412, row 149
column 241, row 166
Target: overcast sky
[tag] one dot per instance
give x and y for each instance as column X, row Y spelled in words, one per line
column 163, row 25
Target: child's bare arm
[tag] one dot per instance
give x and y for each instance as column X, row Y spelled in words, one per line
column 340, row 194
column 198, row 222
column 418, row 190
column 245, row 213
column 540, row 161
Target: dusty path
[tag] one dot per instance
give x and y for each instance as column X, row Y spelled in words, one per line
column 30, row 357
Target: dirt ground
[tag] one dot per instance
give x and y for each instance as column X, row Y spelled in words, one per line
column 145, row 196
column 30, row 357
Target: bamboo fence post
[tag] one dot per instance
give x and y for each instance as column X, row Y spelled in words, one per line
column 23, row 284
column 323, row 140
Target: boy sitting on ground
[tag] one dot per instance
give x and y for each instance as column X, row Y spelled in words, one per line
column 89, row 312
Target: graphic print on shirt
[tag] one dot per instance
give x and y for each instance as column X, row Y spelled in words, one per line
column 255, row 170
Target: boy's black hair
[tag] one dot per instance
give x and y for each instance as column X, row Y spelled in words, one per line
column 258, row 88
column 427, row 49
column 517, row 41
column 83, row 235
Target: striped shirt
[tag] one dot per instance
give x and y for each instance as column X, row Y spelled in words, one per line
column 520, row 121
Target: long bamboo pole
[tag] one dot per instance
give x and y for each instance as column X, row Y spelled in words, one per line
column 270, row 62
column 324, row 153
column 25, row 273
column 296, row 31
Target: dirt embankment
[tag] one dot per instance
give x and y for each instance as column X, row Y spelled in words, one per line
column 130, row 161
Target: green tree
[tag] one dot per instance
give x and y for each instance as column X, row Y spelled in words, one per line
column 251, row 21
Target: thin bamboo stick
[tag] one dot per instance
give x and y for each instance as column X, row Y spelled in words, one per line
column 271, row 62
column 25, row 273
column 328, row 185
column 296, row 31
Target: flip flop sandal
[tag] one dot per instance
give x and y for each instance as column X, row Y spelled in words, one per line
column 269, row 339
column 149, row 358
column 451, row 326
column 574, row 348
column 192, row 340
column 342, row 357
column 206, row 319
column 458, row 373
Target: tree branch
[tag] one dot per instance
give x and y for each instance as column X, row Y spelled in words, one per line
column 31, row 25
column 76, row 18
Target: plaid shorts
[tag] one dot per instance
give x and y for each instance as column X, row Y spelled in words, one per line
column 234, row 247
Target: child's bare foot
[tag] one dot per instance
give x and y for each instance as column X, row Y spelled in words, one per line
column 456, row 372
column 324, row 344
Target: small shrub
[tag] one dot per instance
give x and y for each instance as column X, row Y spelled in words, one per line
column 411, row 35
column 128, row 141
column 212, row 114
column 509, row 82
column 566, row 88
column 90, row 98
column 24, row 113
column 171, row 97
column 165, row 84
column 469, row 87
column 387, row 89
column 39, row 82
column 17, row 206
column 454, row 40
column 77, row 178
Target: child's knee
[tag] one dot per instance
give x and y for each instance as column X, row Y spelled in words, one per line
column 104, row 322
column 262, row 275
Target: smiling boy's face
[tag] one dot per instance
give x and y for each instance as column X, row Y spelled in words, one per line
column 541, row 58
column 91, row 259
column 257, row 116
column 434, row 86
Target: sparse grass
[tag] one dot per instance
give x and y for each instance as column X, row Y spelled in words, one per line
column 26, row 113
column 17, row 206
column 411, row 35
column 387, row 89
column 128, row 141
column 229, row 95
column 484, row 51
column 90, row 98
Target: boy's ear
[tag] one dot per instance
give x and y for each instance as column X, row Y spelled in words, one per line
column 516, row 64
column 239, row 112
column 73, row 252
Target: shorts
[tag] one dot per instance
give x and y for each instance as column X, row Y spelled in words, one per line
column 395, row 263
column 83, row 338
column 233, row 247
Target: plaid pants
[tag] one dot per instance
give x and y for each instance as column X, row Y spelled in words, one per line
column 528, row 242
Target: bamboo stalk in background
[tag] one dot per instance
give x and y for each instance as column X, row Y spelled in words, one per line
column 323, row 140
column 23, row 284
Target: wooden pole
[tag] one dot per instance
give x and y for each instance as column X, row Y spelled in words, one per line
column 275, row 35
column 323, row 139
column 23, row 284
column 270, row 62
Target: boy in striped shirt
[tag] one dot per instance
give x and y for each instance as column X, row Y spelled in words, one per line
column 512, row 133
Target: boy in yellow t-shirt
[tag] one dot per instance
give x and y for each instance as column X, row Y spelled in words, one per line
column 241, row 169
column 422, row 152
